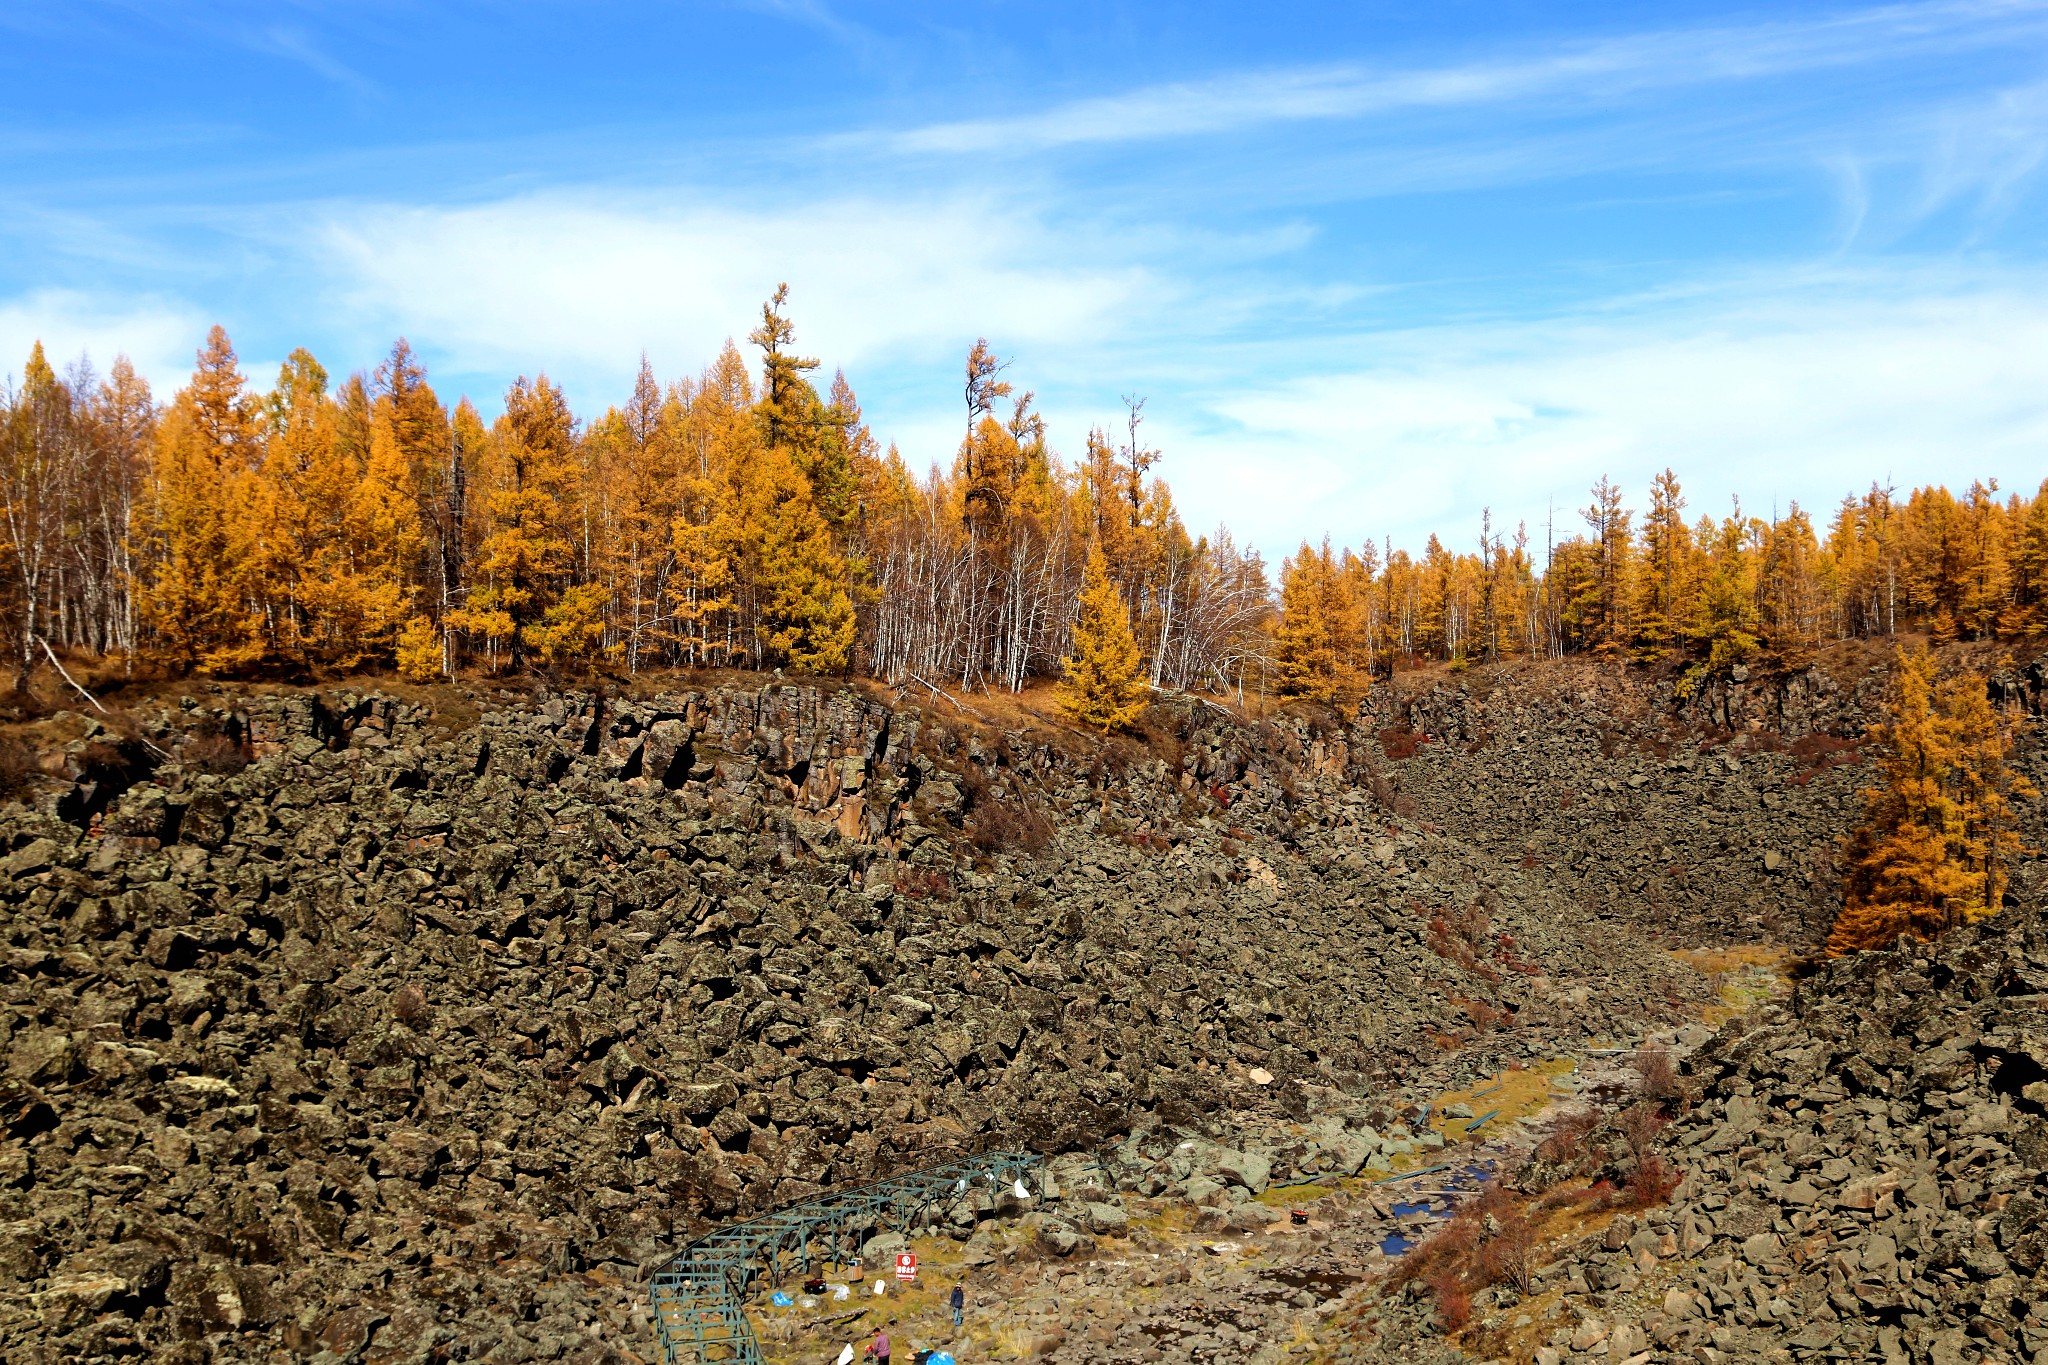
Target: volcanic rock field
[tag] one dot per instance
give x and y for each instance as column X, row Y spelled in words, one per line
column 343, row 1025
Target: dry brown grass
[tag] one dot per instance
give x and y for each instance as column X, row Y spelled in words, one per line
column 1517, row 1093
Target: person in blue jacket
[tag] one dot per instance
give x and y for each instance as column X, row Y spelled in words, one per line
column 959, row 1302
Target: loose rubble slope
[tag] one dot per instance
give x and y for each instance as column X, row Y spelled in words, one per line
column 434, row 1041
column 1711, row 817
column 1866, row 1175
column 419, row 1036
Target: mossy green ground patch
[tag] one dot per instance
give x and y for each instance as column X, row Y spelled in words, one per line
column 1516, row 1093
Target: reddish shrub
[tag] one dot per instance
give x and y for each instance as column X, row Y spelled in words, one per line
column 1010, row 826
column 1651, row 1182
column 1567, row 1141
column 1485, row 1018
column 1509, row 1256
column 1656, row 1076
column 1401, row 742
column 1639, row 1124
column 1505, row 955
column 1489, row 1241
column 1448, row 946
column 1473, row 924
column 920, row 882
column 1453, row 1300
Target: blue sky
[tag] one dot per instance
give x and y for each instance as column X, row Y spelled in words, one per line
column 1373, row 266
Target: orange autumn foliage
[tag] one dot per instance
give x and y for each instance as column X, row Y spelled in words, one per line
column 754, row 520
column 1937, row 838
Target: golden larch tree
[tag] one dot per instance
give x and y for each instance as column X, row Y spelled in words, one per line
column 1103, row 685
column 791, row 494
column 1938, row 836
column 527, row 552
column 1304, row 653
column 1319, row 647
column 188, row 520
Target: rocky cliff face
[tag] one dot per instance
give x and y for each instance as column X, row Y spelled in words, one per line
column 1712, row 818
column 362, row 1027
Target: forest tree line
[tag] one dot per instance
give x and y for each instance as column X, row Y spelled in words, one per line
column 737, row 518
column 1709, row 592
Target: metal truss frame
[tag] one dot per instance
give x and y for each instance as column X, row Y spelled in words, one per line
column 699, row 1296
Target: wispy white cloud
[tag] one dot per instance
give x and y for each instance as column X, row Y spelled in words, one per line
column 1786, row 386
column 1795, row 382
column 1981, row 153
column 1580, row 75
column 158, row 336
column 821, row 16
column 584, row 287
column 294, row 44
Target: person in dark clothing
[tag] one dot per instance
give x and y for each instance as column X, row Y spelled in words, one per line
column 959, row 1302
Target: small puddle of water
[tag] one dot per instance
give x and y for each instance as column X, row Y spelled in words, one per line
column 1466, row 1180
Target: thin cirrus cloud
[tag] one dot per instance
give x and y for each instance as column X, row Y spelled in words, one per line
column 1773, row 387
column 295, row 45
column 1580, row 74
column 1983, row 152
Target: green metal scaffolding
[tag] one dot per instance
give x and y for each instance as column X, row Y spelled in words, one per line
column 699, row 1296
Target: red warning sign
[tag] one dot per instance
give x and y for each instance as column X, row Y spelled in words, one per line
column 906, row 1266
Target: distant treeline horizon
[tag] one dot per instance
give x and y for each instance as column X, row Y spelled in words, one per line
column 730, row 519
